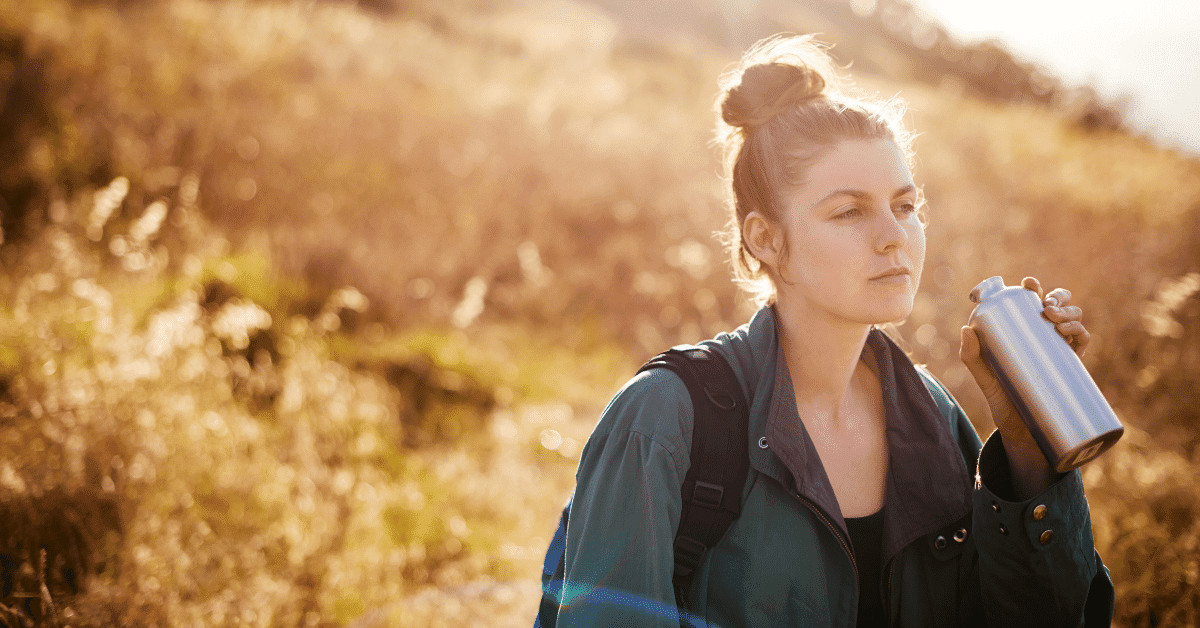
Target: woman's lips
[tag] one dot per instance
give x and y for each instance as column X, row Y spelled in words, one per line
column 896, row 275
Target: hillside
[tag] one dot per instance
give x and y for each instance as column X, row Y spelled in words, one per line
column 294, row 294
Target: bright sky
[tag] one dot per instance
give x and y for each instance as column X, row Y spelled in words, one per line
column 1147, row 48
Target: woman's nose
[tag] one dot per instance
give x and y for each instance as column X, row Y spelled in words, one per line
column 890, row 234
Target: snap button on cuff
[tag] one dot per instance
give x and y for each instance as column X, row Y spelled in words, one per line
column 1046, row 537
column 995, row 507
column 961, row 535
column 1003, row 529
column 762, row 443
column 1039, row 512
column 940, row 543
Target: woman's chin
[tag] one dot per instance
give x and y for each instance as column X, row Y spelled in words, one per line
column 894, row 314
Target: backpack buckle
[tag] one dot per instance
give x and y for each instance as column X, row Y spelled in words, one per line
column 688, row 554
column 721, row 400
column 707, row 495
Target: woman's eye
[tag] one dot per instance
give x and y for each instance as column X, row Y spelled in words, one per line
column 906, row 208
column 853, row 212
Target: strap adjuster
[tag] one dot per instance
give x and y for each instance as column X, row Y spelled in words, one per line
column 707, row 495
column 724, row 401
column 688, row 554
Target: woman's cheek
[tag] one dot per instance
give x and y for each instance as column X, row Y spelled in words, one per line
column 917, row 238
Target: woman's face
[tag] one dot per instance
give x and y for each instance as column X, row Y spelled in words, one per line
column 855, row 242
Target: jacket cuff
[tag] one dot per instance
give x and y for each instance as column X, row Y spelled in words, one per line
column 1044, row 543
column 1054, row 512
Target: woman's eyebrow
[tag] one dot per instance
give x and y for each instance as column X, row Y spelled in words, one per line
column 860, row 194
column 845, row 192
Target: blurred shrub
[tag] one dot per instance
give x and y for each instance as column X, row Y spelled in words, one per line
column 1161, row 362
column 187, row 458
column 1144, row 515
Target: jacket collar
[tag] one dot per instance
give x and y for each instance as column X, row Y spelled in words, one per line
column 928, row 485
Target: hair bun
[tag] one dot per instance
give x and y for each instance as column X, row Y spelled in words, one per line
column 766, row 89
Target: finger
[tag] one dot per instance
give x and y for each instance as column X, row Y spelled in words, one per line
column 1081, row 342
column 1060, row 296
column 1076, row 335
column 1063, row 314
column 1031, row 283
column 1070, row 329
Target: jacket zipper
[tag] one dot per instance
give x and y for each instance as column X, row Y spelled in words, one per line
column 891, row 572
column 846, row 546
column 838, row 535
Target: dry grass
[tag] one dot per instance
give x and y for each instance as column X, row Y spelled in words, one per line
column 328, row 354
column 187, row 457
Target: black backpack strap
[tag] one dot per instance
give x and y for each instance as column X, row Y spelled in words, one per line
column 720, row 460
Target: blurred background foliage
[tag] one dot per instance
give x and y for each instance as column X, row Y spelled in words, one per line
column 309, row 306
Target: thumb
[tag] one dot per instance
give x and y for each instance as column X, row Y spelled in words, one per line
column 971, row 355
column 968, row 350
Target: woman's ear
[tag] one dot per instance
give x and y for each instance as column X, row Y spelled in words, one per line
column 764, row 239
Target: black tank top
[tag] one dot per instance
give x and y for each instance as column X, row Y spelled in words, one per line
column 866, row 537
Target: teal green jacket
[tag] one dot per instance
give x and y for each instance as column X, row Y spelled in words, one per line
column 956, row 551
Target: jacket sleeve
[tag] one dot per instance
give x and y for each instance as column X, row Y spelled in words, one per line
column 1022, row 580
column 619, row 556
column 1037, row 561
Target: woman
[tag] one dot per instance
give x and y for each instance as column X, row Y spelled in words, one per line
column 857, row 480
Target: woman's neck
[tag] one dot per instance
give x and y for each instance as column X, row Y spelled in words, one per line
column 822, row 357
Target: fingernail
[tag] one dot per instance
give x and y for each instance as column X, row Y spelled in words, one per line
column 1052, row 301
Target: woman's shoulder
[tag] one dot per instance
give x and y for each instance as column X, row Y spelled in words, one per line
column 654, row 404
column 647, row 423
column 656, row 401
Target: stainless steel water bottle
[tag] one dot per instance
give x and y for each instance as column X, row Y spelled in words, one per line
column 1064, row 409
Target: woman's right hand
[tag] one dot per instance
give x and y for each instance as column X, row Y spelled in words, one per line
column 1031, row 472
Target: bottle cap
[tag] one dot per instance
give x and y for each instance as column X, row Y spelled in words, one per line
column 987, row 288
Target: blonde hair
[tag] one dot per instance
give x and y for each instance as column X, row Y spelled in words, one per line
column 780, row 110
